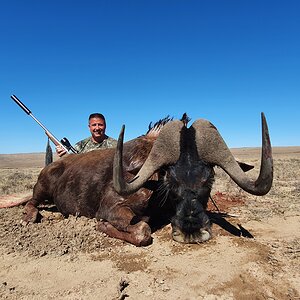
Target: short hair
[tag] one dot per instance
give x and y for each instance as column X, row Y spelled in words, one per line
column 97, row 115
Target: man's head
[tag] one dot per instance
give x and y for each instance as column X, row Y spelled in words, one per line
column 97, row 127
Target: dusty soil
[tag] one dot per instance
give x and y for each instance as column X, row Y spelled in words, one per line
column 254, row 254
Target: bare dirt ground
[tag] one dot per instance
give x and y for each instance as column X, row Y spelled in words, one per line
column 254, row 254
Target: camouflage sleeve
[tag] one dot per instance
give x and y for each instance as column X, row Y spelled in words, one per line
column 111, row 143
column 79, row 146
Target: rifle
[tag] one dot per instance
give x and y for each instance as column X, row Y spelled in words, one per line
column 64, row 143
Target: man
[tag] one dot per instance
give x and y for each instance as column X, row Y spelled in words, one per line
column 97, row 140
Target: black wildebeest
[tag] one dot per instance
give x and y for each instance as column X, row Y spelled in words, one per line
column 169, row 167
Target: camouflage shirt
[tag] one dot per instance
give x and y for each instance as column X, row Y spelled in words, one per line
column 87, row 144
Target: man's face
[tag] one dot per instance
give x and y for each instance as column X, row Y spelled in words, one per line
column 97, row 128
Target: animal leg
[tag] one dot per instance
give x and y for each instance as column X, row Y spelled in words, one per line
column 30, row 213
column 40, row 194
column 138, row 234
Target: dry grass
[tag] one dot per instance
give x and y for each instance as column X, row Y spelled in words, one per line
column 17, row 180
column 19, row 172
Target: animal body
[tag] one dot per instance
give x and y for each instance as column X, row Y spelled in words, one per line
column 167, row 172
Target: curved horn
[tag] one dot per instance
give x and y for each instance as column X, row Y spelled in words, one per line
column 212, row 148
column 165, row 151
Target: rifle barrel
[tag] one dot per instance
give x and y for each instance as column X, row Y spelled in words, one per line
column 21, row 104
column 28, row 112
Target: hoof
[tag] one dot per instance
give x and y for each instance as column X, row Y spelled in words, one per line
column 103, row 226
column 142, row 234
column 30, row 214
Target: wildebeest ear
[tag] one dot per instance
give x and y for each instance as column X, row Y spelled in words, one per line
column 245, row 167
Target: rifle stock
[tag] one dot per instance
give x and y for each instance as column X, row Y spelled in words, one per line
column 53, row 139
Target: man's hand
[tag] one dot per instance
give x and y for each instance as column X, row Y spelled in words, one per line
column 60, row 151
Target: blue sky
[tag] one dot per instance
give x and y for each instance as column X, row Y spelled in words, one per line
column 139, row 61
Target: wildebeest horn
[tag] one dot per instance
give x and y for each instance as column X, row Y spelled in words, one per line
column 165, row 151
column 212, row 149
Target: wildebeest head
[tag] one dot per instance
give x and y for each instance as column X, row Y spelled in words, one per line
column 184, row 159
